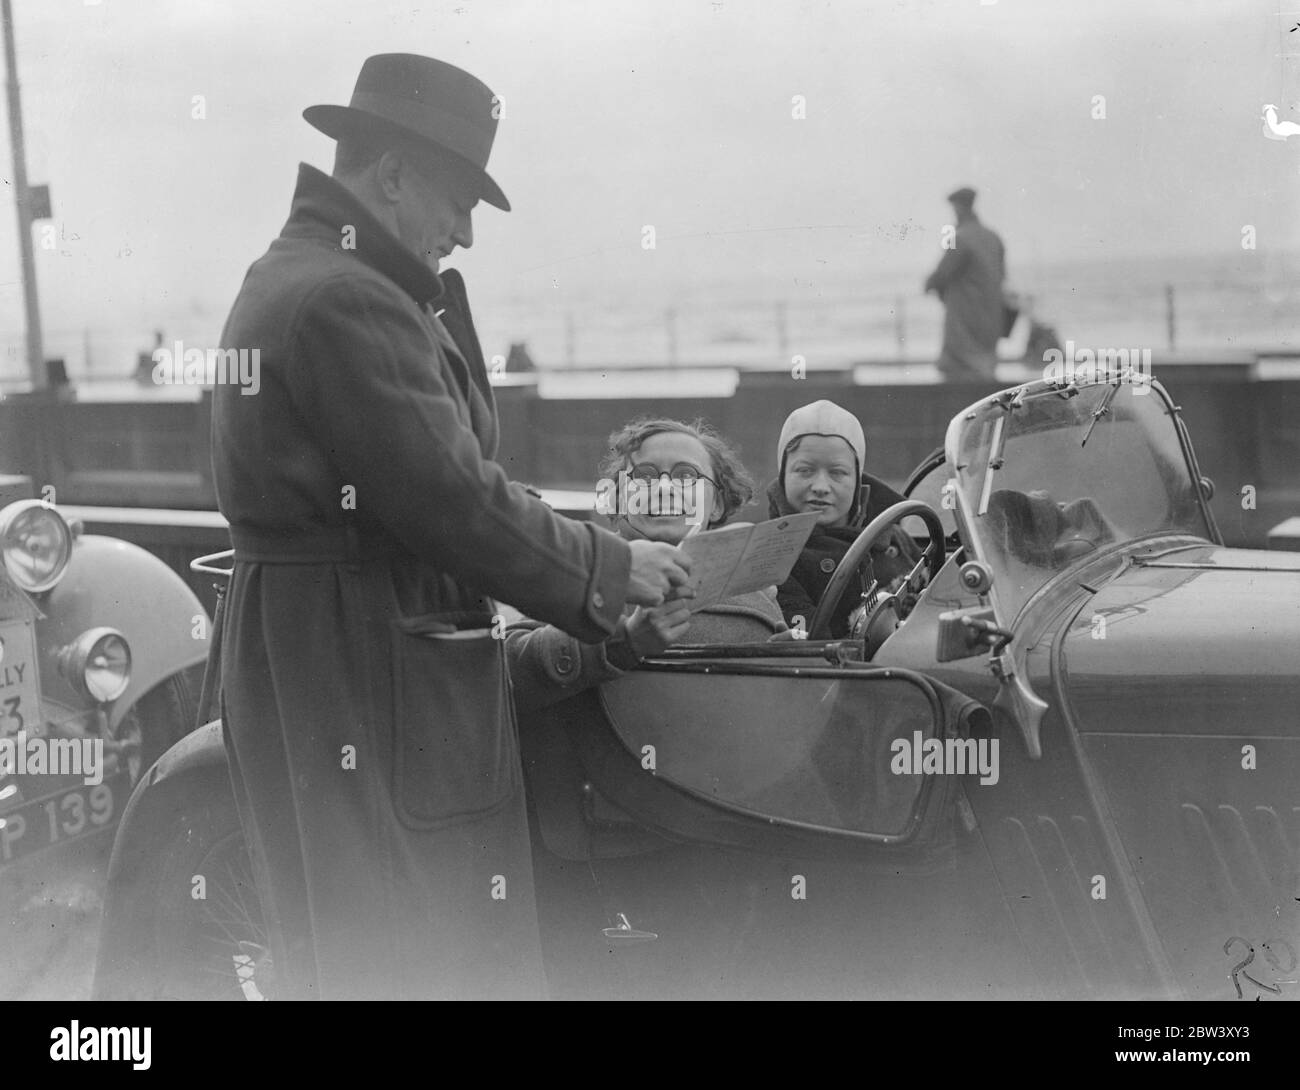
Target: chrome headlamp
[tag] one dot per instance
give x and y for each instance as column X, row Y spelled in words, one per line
column 35, row 544
column 97, row 664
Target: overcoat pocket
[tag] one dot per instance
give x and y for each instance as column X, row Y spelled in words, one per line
column 457, row 754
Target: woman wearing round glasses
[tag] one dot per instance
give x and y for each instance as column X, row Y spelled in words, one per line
column 662, row 480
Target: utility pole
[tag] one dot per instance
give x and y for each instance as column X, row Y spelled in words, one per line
column 35, row 347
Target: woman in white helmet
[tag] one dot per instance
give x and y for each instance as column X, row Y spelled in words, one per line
column 821, row 456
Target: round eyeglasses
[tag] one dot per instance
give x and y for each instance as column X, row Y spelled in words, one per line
column 683, row 473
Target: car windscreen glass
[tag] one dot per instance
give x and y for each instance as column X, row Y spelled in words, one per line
column 1036, row 498
column 813, row 751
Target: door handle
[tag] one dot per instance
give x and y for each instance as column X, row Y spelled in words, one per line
column 625, row 933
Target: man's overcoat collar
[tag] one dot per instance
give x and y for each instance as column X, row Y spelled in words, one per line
column 322, row 209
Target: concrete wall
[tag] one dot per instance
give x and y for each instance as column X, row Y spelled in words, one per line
column 145, row 453
column 155, row 454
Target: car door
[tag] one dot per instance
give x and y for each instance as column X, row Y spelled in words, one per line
column 769, row 752
column 755, row 821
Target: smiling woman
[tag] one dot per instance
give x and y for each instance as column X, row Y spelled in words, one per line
column 682, row 476
column 674, row 479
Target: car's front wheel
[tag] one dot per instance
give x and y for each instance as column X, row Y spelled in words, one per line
column 188, row 923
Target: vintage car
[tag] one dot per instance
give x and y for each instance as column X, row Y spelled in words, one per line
column 102, row 650
column 1061, row 761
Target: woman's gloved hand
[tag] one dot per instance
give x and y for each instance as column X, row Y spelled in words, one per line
column 895, row 556
column 652, row 630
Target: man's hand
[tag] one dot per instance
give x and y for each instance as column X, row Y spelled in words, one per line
column 659, row 572
column 649, row 631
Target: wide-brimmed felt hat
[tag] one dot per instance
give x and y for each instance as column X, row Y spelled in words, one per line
column 965, row 197
column 436, row 103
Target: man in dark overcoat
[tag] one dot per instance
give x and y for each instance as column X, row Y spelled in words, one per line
column 367, row 714
column 969, row 280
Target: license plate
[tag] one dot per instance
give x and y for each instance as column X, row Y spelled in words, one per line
column 73, row 814
column 20, row 688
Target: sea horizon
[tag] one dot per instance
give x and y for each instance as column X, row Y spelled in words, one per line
column 1225, row 302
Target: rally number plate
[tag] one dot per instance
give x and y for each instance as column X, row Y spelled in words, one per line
column 20, row 691
column 73, row 814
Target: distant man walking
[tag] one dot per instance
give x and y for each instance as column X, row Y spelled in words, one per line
column 969, row 281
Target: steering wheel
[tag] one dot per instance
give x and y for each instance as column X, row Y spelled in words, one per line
column 820, row 626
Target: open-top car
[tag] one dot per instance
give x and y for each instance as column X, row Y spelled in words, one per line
column 1061, row 760
column 102, row 649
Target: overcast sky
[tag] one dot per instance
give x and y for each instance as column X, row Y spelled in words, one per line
column 676, row 113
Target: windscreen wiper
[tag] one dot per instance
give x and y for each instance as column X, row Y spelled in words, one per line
column 1008, row 402
column 1100, row 411
column 994, row 463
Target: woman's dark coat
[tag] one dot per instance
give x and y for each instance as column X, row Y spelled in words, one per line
column 376, row 765
column 547, row 666
column 800, row 594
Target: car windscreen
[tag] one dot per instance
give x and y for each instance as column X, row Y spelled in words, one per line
column 1049, row 478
